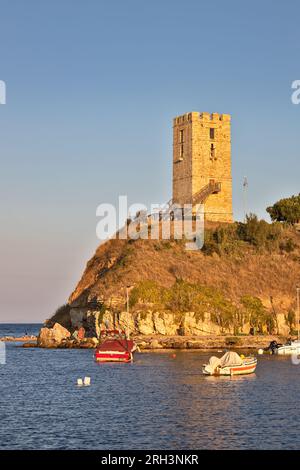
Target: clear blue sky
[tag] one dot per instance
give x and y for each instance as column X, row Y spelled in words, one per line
column 92, row 87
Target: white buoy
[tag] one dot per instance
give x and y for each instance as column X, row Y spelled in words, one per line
column 79, row 382
column 87, row 381
column 260, row 351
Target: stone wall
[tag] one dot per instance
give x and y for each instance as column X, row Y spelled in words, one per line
column 194, row 166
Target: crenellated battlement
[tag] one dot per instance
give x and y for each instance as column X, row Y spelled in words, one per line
column 189, row 117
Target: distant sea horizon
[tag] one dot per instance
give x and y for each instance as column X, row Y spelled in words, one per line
column 19, row 329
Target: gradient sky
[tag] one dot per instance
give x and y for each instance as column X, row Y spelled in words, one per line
column 92, row 87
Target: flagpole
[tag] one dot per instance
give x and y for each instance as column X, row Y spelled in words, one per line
column 245, row 198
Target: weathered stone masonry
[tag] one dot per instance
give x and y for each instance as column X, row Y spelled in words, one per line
column 202, row 156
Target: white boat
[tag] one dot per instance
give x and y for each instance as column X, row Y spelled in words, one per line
column 293, row 347
column 230, row 364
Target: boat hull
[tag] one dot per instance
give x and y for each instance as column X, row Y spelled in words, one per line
column 288, row 350
column 115, row 350
column 106, row 356
column 248, row 367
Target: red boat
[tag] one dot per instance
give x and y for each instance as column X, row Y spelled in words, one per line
column 114, row 347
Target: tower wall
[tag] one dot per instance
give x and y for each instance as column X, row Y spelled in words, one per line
column 202, row 153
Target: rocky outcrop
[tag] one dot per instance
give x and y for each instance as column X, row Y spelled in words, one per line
column 148, row 322
column 156, row 331
column 154, row 344
column 52, row 337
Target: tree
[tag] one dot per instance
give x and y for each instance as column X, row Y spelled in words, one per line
column 291, row 319
column 257, row 314
column 286, row 210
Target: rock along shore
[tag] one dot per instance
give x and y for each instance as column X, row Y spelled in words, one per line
column 205, row 342
column 20, row 339
column 154, row 343
column 59, row 337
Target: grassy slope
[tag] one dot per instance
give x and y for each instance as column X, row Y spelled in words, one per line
column 118, row 263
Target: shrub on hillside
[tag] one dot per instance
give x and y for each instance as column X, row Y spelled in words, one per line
column 255, row 232
column 222, row 240
column 147, row 291
column 183, row 296
column 258, row 232
column 288, row 245
column 291, row 319
column 286, row 210
column 258, row 316
column 61, row 316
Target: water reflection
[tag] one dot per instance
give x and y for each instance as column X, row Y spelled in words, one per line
column 233, row 378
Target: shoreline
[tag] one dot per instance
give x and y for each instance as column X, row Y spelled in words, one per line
column 165, row 343
column 16, row 339
column 205, row 343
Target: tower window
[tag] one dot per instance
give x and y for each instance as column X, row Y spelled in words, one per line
column 181, row 136
column 181, row 151
column 212, row 151
column 212, row 133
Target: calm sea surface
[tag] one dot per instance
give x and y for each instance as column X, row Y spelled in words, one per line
column 20, row 329
column 159, row 402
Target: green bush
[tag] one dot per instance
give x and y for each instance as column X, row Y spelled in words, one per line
column 187, row 297
column 288, row 245
column 286, row 210
column 183, row 297
column 61, row 316
column 254, row 232
column 258, row 232
column 146, row 292
column 257, row 315
column 291, row 319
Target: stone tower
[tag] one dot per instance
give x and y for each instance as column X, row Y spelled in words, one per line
column 202, row 163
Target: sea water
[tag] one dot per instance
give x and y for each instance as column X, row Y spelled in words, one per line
column 158, row 402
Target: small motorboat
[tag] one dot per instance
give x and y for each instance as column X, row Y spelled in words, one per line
column 272, row 348
column 114, row 346
column 230, row 364
column 291, row 347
